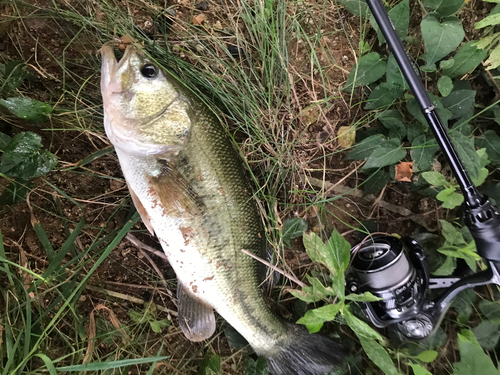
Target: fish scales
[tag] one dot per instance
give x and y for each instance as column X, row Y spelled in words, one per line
column 187, row 181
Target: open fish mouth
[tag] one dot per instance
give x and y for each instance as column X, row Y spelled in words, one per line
column 110, row 66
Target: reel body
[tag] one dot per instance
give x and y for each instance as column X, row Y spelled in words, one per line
column 395, row 270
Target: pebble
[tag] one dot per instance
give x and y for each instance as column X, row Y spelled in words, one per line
column 202, row 5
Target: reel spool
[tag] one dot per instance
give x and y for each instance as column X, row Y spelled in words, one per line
column 395, row 271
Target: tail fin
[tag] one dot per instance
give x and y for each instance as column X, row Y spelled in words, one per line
column 306, row 354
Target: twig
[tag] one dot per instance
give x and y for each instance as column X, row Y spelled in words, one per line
column 141, row 245
column 274, row 268
column 128, row 298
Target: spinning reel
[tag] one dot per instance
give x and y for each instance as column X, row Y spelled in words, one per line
column 394, row 269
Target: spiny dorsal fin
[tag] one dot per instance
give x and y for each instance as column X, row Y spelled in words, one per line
column 196, row 318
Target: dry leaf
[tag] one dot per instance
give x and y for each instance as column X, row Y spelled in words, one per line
column 199, row 19
column 310, row 114
column 125, row 40
column 404, row 171
column 346, row 135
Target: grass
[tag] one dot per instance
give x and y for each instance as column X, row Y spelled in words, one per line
column 249, row 73
column 272, row 73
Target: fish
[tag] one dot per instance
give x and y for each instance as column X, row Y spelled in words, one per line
column 187, row 181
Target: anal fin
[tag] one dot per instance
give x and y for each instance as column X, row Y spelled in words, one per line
column 196, row 318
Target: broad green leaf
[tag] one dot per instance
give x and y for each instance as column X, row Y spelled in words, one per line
column 427, row 356
column 487, row 41
column 366, row 147
column 473, row 359
column 400, row 19
column 357, row 7
column 28, row 109
column 483, row 155
column 365, row 297
column 450, row 198
column 382, row 96
column 491, row 310
column 423, row 152
column 391, row 119
column 378, row 355
column 444, row 7
column 394, row 75
column 387, row 154
column 22, row 158
column 445, row 86
column 315, row 318
column 96, row 366
column 308, row 295
column 493, row 19
column 451, row 234
column 13, row 75
column 360, row 328
column 258, row 367
column 335, row 255
column 467, row 153
column 435, row 178
column 419, row 370
column 483, row 173
column 441, row 36
column 4, row 141
column 416, row 112
column 138, row 317
column 339, row 252
column 376, row 182
column 293, row 228
column 460, row 103
column 491, row 141
column 487, row 334
column 210, row 365
column 494, row 58
column 447, row 268
column 446, row 64
column 467, row 58
column 413, row 130
column 368, row 69
column 318, row 286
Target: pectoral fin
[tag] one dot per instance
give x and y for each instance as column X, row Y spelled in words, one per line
column 196, row 318
column 140, row 208
column 174, row 192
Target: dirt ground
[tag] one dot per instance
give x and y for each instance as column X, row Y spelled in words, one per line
column 132, row 273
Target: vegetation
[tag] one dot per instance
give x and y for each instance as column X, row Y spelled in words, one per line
column 331, row 136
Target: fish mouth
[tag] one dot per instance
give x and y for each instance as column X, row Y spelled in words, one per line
column 110, row 66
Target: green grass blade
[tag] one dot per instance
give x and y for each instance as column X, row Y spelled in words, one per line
column 110, row 365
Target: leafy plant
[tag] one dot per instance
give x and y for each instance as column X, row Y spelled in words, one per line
column 491, row 40
column 404, row 133
column 12, row 75
column 335, row 256
column 148, row 315
column 22, row 160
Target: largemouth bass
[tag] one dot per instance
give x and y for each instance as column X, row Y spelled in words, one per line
column 187, row 182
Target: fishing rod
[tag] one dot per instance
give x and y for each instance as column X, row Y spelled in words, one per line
column 395, row 270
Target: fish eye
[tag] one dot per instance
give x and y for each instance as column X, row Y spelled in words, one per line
column 149, row 71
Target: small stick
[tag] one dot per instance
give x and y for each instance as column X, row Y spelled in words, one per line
column 274, row 268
